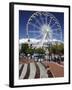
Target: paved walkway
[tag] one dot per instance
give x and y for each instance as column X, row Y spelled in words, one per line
column 20, row 65
column 40, row 70
column 23, row 71
column 32, row 70
column 56, row 69
column 43, row 72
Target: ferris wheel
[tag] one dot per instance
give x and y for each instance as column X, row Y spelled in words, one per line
column 43, row 26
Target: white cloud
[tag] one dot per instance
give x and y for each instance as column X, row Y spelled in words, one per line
column 33, row 40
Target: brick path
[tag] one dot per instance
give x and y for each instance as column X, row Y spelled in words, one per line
column 56, row 69
column 31, row 69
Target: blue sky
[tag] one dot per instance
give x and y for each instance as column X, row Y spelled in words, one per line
column 25, row 15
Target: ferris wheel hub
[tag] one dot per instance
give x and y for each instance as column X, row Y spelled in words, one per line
column 46, row 29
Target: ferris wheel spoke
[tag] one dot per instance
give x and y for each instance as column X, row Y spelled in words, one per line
column 46, row 19
column 57, row 29
column 38, row 22
column 35, row 26
column 53, row 25
column 56, row 33
column 34, row 31
column 41, row 18
column 50, row 21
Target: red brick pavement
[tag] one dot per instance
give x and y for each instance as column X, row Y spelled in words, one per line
column 56, row 69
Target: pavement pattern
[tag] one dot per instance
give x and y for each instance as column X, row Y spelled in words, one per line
column 39, row 70
column 32, row 70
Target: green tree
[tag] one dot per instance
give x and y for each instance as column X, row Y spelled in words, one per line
column 30, row 51
column 57, row 49
column 40, row 51
column 24, row 48
column 61, row 48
